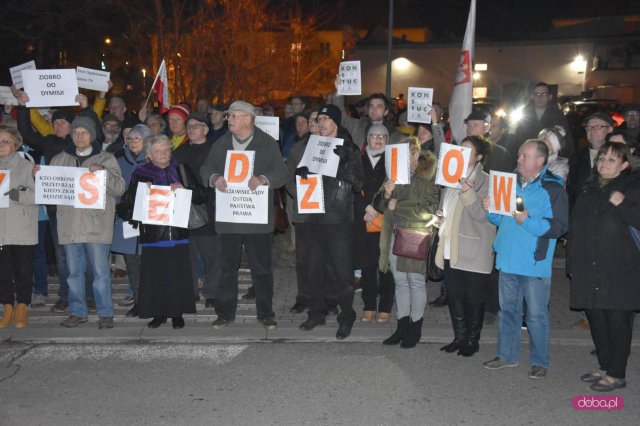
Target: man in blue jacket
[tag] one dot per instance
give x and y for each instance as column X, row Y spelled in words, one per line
column 524, row 249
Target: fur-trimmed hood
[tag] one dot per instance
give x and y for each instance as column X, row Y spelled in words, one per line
column 427, row 163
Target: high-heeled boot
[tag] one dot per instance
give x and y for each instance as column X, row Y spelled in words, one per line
column 7, row 316
column 398, row 335
column 21, row 316
column 475, row 318
column 456, row 311
column 413, row 335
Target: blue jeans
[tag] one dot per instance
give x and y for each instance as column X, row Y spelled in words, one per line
column 535, row 291
column 96, row 257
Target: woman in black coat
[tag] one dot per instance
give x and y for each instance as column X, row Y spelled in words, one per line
column 377, row 287
column 603, row 261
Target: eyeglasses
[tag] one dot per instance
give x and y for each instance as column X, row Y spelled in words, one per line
column 609, row 160
column 6, row 142
column 540, row 94
column 596, row 127
column 234, row 116
column 632, row 114
column 378, row 137
column 195, row 126
column 133, row 139
column 110, row 126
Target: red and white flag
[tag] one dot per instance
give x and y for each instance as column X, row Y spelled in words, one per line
column 462, row 96
column 161, row 87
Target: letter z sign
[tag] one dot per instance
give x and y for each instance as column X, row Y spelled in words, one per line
column 310, row 194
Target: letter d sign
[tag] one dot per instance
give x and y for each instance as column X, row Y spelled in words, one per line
column 239, row 167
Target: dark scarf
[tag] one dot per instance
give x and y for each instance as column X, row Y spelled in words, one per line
column 159, row 176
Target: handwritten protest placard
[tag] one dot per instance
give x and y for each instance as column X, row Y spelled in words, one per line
column 419, row 105
column 502, row 192
column 93, row 79
column 242, row 205
column 396, row 163
column 453, row 162
column 349, row 78
column 16, row 72
column 238, row 167
column 71, row 186
column 159, row 205
column 269, row 125
column 55, row 87
column 5, row 182
column 319, row 157
column 310, row 194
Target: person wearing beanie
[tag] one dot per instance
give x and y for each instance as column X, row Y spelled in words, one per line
column 327, row 238
column 632, row 121
column 377, row 287
column 177, row 118
column 86, row 234
column 218, row 124
column 269, row 169
column 112, row 129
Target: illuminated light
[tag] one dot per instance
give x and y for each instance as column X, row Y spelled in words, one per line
column 480, row 67
column 480, row 92
column 401, row 64
column 107, row 40
column 476, row 76
column 516, row 115
column 144, row 73
column 126, row 62
column 178, row 55
column 579, row 64
column 501, row 113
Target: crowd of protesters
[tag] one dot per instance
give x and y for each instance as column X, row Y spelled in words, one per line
column 585, row 194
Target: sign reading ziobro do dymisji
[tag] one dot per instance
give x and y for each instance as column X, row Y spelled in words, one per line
column 71, row 186
column 502, row 192
column 453, row 162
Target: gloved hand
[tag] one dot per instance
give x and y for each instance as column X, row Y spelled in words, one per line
column 14, row 194
column 341, row 152
column 303, row 172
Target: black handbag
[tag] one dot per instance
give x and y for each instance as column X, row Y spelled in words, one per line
column 434, row 273
column 198, row 215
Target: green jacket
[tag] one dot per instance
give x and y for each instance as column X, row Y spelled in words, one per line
column 416, row 205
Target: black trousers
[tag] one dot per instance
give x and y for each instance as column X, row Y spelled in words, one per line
column 331, row 247
column 374, row 284
column 16, row 274
column 258, row 248
column 303, row 256
column 467, row 287
column 611, row 333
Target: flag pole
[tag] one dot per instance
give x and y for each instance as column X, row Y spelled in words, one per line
column 154, row 83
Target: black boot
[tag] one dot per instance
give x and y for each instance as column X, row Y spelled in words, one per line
column 456, row 311
column 398, row 335
column 440, row 300
column 413, row 335
column 475, row 318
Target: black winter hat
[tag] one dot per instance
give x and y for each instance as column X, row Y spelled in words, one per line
column 331, row 111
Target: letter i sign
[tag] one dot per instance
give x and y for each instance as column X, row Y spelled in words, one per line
column 310, row 194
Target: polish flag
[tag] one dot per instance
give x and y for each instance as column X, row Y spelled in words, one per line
column 161, row 87
column 462, row 96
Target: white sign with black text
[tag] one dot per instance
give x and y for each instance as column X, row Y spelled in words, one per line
column 349, row 78
column 93, row 79
column 56, row 87
column 319, row 157
column 419, row 105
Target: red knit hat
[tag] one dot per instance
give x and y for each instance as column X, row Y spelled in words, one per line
column 182, row 110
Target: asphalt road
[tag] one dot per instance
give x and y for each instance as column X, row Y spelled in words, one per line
column 292, row 384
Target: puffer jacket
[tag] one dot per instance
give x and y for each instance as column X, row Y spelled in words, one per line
column 417, row 203
column 89, row 225
column 19, row 222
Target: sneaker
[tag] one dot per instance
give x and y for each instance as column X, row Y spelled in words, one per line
column 497, row 364
column 537, row 372
column 127, row 301
column 105, row 322
column 91, row 306
column 269, row 323
column 73, row 321
column 38, row 300
column 219, row 323
column 60, row 306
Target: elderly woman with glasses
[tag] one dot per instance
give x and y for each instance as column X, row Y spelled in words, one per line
column 18, row 229
column 377, row 287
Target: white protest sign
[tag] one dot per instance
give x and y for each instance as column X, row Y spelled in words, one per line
column 16, row 72
column 128, row 231
column 158, row 205
column 319, row 157
column 90, row 190
column 269, row 125
column 242, row 205
column 349, row 78
column 6, row 96
column 55, row 185
column 453, row 162
column 396, row 163
column 5, row 182
column 56, row 87
column 93, row 79
column 419, row 105
column 310, row 194
column 238, row 167
column 502, row 192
